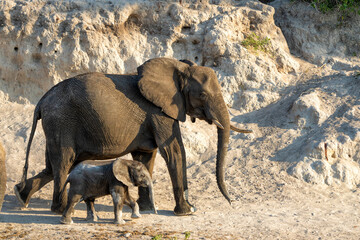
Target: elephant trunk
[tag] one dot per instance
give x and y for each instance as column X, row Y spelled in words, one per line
column 151, row 196
column 223, row 130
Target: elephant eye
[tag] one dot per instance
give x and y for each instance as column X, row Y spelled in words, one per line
column 203, row 96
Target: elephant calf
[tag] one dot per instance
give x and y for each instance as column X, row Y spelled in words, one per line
column 90, row 181
column 2, row 175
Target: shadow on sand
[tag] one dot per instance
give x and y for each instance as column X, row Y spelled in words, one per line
column 39, row 212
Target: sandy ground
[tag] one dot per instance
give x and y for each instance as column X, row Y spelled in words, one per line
column 301, row 214
column 282, row 209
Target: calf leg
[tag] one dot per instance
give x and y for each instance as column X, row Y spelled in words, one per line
column 91, row 213
column 133, row 205
column 118, row 200
column 148, row 159
column 69, row 209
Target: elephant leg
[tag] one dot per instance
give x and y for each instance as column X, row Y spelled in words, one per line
column 172, row 150
column 148, row 159
column 130, row 201
column 118, row 200
column 61, row 164
column 91, row 213
column 34, row 184
column 69, row 209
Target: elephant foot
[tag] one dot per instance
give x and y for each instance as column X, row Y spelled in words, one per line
column 121, row 221
column 192, row 207
column 57, row 209
column 135, row 215
column 65, row 220
column 145, row 206
column 93, row 218
column 186, row 209
column 23, row 203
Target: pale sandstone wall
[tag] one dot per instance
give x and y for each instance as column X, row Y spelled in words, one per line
column 44, row 42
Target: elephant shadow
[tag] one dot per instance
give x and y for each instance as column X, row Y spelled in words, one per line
column 39, row 212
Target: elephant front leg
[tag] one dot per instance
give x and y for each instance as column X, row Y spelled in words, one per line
column 183, row 207
column 148, row 159
column 172, row 150
column 133, row 205
column 118, row 200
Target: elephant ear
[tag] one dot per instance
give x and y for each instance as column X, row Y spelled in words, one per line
column 161, row 82
column 122, row 171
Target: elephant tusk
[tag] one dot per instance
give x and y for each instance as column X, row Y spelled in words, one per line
column 240, row 130
column 218, row 124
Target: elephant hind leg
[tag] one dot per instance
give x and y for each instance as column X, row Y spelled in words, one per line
column 61, row 163
column 91, row 213
column 73, row 200
column 34, row 184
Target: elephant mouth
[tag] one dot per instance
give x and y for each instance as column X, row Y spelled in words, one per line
column 201, row 115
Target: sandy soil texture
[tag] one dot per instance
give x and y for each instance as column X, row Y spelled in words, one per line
column 287, row 211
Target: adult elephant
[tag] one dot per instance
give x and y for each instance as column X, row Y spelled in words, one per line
column 2, row 175
column 103, row 116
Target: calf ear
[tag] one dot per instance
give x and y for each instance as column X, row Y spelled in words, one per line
column 121, row 170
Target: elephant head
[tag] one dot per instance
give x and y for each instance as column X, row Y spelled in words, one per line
column 134, row 173
column 182, row 87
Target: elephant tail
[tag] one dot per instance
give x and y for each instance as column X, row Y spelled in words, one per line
column 37, row 116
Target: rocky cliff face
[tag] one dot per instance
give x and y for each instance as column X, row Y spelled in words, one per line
column 294, row 107
column 320, row 38
column 44, row 42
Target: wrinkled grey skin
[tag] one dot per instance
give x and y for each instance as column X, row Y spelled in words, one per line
column 103, row 116
column 89, row 181
column 2, row 175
